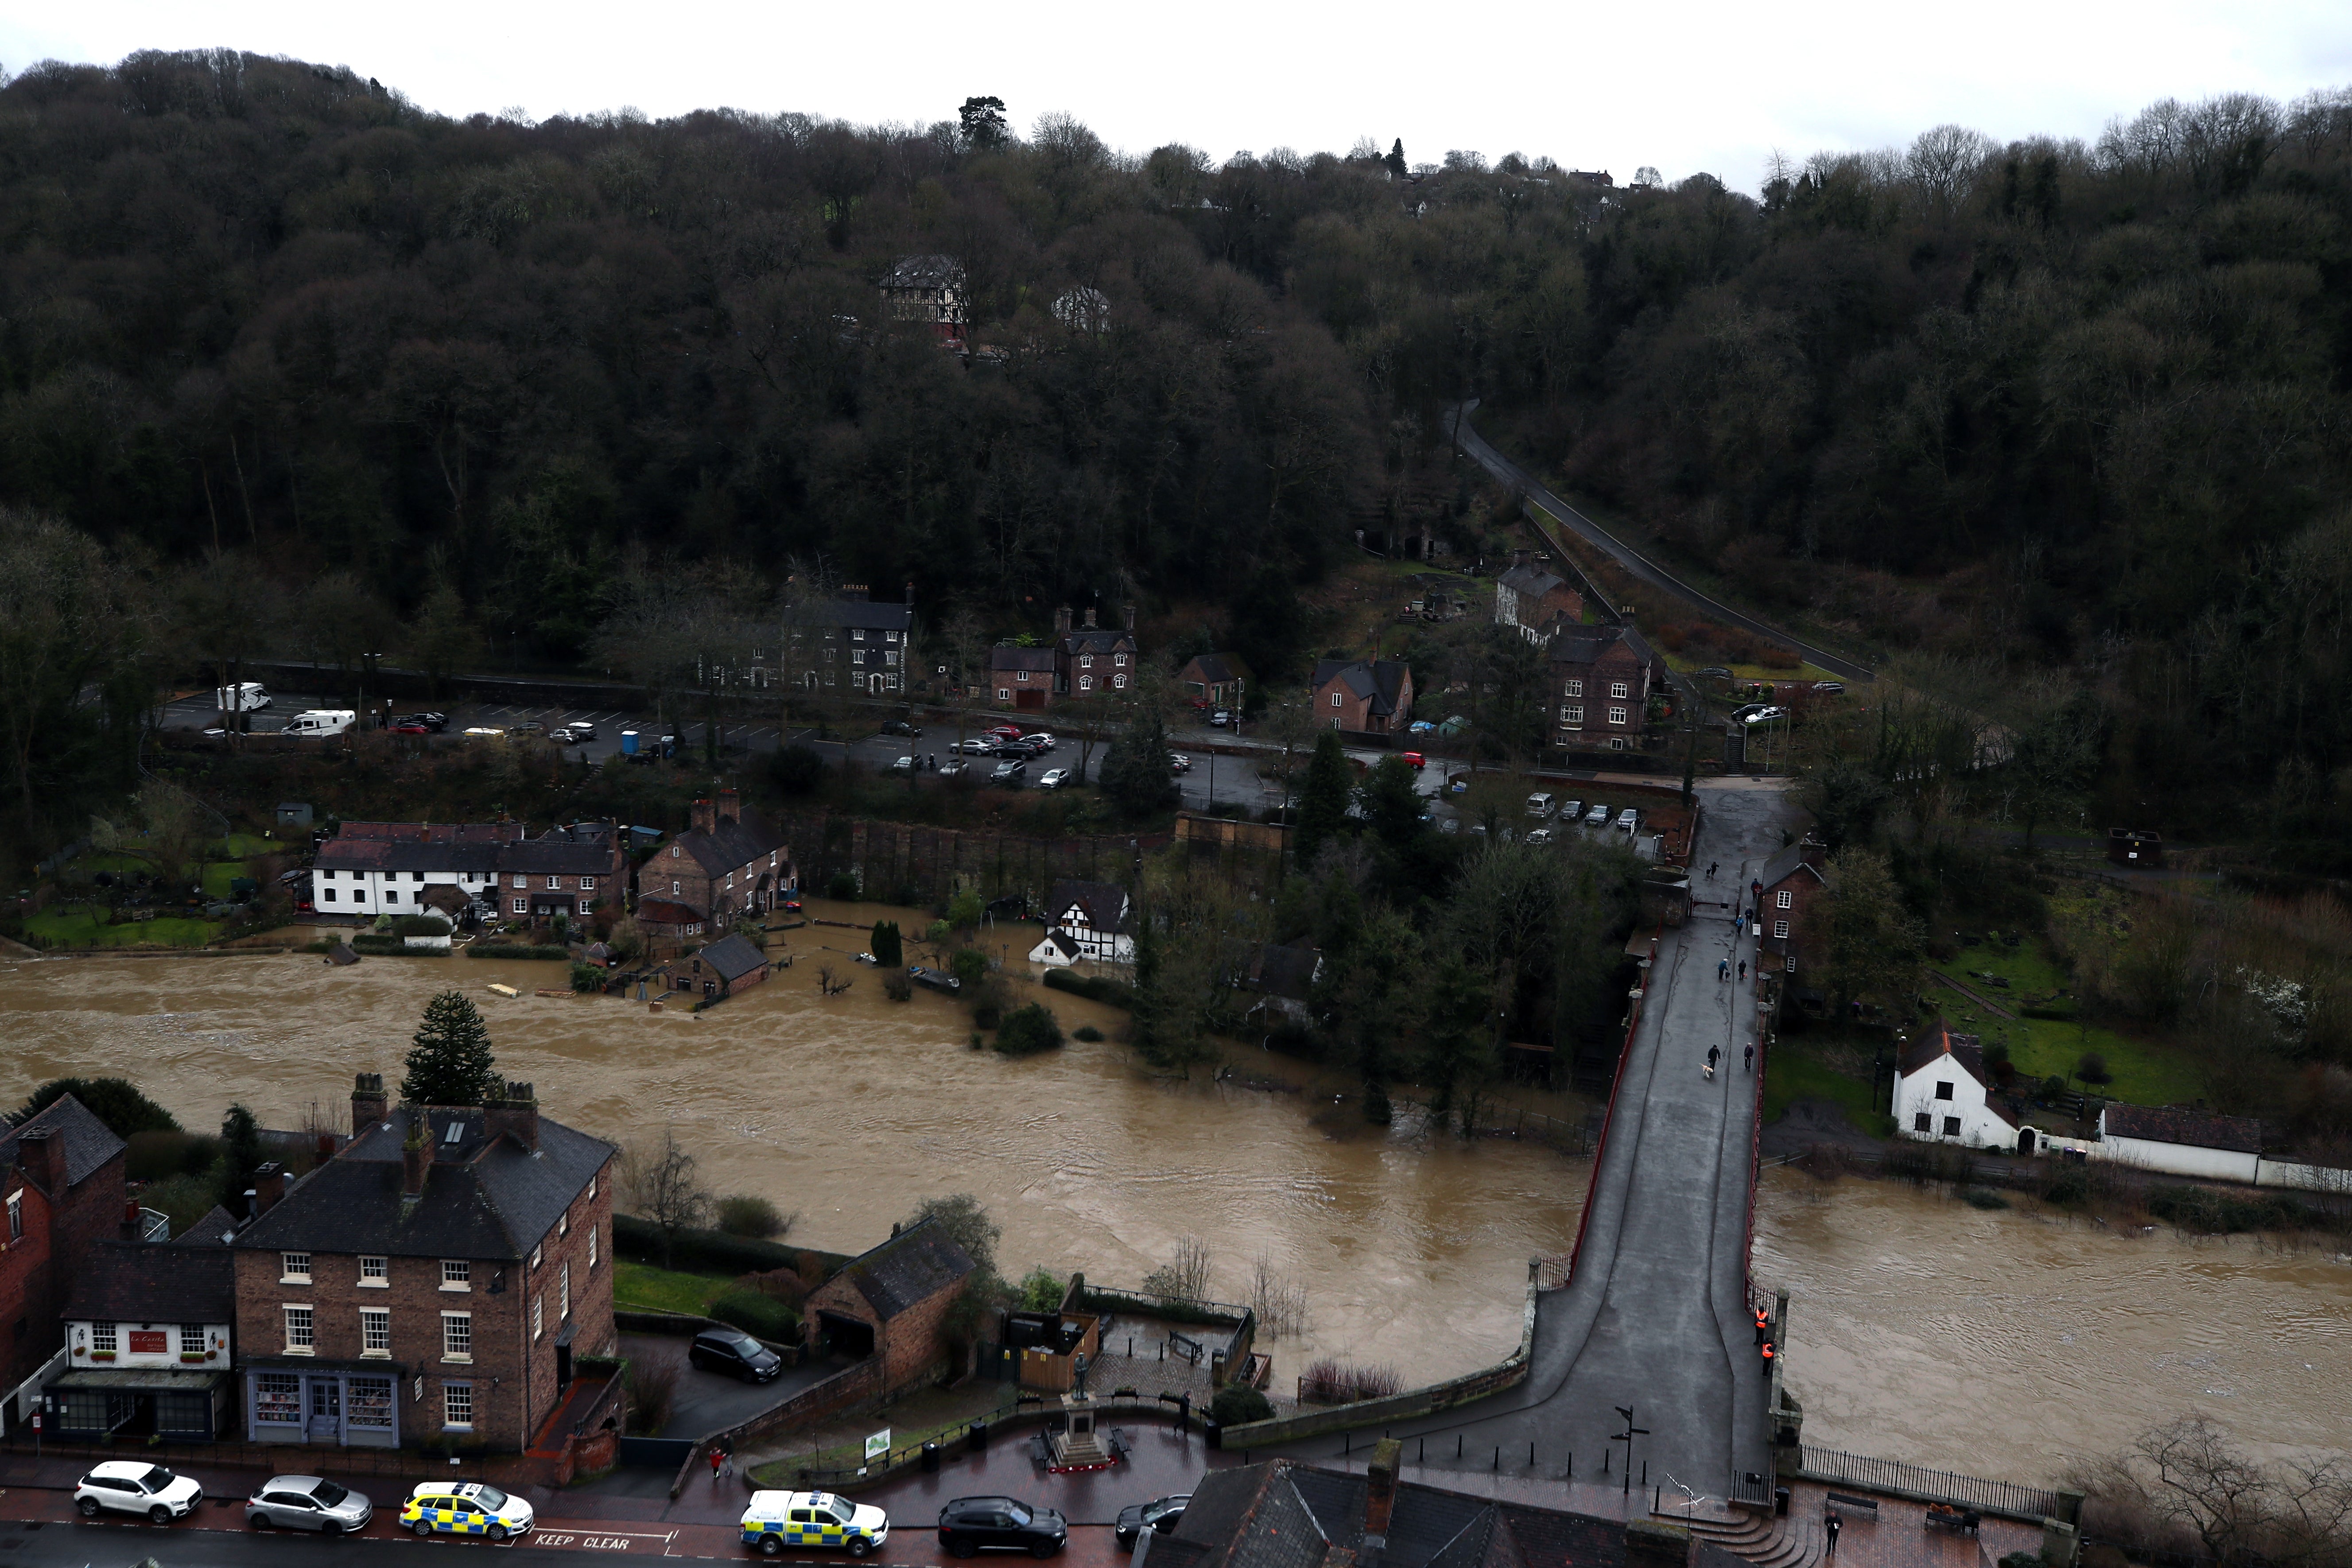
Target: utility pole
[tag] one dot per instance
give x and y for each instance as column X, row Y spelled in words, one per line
column 1626, row 1437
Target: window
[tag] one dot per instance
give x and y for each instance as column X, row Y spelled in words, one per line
column 1121, row 661
column 457, row 1274
column 277, row 1398
column 192, row 1339
column 587, row 884
column 537, row 1302
column 1781, row 930
column 1951, row 1127
column 299, row 1340
column 555, row 882
column 457, row 1336
column 673, row 885
column 458, row 1406
column 1572, row 714
column 1943, row 1091
column 102, row 1337
column 1784, row 901
column 1922, row 1123
column 1617, row 689
column 1022, row 676
column 391, row 895
column 375, row 1330
column 374, row 1272
column 592, row 1246
column 564, row 1291
column 1086, row 661
column 1003, row 694
column 1120, row 681
column 856, row 634
column 673, row 851
column 329, row 895
column 1086, row 683
column 535, row 1256
column 15, row 1217
column 1334, row 699
column 564, row 1223
column 1616, row 715
column 521, row 881
column 522, row 906
column 417, row 876
column 294, row 1268
column 1575, row 689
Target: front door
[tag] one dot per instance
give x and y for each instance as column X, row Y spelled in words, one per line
column 326, row 1425
column 563, row 1365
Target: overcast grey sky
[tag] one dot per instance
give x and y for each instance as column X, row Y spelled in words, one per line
column 1707, row 85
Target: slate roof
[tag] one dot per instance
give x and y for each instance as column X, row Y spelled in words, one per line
column 1277, row 969
column 1381, row 684
column 925, row 273
column 733, row 957
column 1021, row 658
column 1217, row 668
column 2173, row 1124
column 1104, row 904
column 864, row 613
column 1930, row 1048
column 1530, row 582
column 1584, row 644
column 1097, row 639
column 551, row 855
column 139, row 1282
column 732, row 846
column 347, row 853
column 1784, row 864
column 1283, row 1514
column 434, row 832
column 908, row 1269
column 88, row 1142
column 487, row 1198
column 215, row 1225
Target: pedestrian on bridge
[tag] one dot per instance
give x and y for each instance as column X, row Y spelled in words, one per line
column 1832, row 1526
column 1711, row 1054
column 1743, row 969
column 1723, row 969
column 1748, row 1057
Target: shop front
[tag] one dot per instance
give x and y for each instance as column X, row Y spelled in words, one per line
column 170, row 1405
column 350, row 1404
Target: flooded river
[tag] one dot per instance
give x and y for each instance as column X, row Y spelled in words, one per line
column 1411, row 1249
column 2007, row 1342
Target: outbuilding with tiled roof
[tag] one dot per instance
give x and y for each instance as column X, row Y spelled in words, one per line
column 892, row 1300
column 2182, row 1140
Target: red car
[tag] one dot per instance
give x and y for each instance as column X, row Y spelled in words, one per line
column 1004, row 731
column 411, row 728
column 1415, row 760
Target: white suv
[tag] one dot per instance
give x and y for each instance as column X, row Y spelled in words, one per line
column 134, row 1485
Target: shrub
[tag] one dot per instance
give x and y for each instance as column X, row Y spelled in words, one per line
column 2092, row 1068
column 757, row 1314
column 1041, row 1289
column 154, row 1156
column 887, row 946
column 1093, row 987
column 842, row 886
column 1087, row 1032
column 587, row 977
column 796, row 770
column 938, row 932
column 896, row 986
column 1237, row 1404
column 968, row 965
column 653, row 1392
column 117, row 1101
column 1977, row 1198
column 1029, row 1030
column 2210, row 1212
column 964, row 909
column 746, row 1214
column 2066, row 1183
column 1328, row 1382
column 383, row 946
column 702, row 1251
column 420, row 925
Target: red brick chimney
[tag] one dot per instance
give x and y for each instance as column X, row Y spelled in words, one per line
column 514, row 1114
column 731, row 805
column 1380, row 1489
column 1061, row 620
column 268, row 1186
column 1814, row 853
column 42, row 1156
column 910, row 592
column 703, row 815
column 1090, row 617
column 370, row 1104
column 415, row 1158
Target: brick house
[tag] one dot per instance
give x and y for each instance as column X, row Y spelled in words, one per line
column 1793, row 880
column 430, row 1282
column 731, row 964
column 664, row 918
column 892, row 1301
column 1364, row 697
column 727, row 862
column 853, row 641
column 1602, row 678
column 388, row 867
column 1023, row 678
column 928, row 288
column 149, row 1342
column 1532, row 600
column 568, row 871
column 1215, row 680
column 63, row 1188
column 1089, row 659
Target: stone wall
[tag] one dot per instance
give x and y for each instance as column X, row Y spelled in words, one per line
column 923, row 864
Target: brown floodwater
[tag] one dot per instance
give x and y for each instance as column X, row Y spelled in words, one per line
column 1412, row 1249
column 2008, row 1342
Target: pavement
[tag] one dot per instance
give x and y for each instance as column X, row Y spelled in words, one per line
column 1655, row 1317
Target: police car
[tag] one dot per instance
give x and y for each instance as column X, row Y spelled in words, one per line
column 778, row 1520
column 465, row 1508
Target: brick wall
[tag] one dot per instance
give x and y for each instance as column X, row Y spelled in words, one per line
column 674, row 875
column 909, row 1347
column 591, row 1294
column 29, row 1303
column 1803, row 888
column 891, row 857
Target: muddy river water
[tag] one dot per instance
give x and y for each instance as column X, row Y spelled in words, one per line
column 1996, row 1342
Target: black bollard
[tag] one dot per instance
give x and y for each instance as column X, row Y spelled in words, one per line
column 1457, row 1444
column 1424, row 1450
column 1606, row 1455
column 1498, row 1459
column 1646, row 1472
column 1571, row 1464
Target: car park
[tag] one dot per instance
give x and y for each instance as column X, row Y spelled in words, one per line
column 903, row 766
column 1539, row 803
column 308, row 1502
column 776, row 1522
column 1054, row 778
column 1599, row 816
column 1010, row 774
column 969, row 1524
column 465, row 1507
column 899, row 727
column 736, row 1353
column 1162, row 1514
column 572, row 734
column 134, row 1485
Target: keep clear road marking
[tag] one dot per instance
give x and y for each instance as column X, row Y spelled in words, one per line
column 614, row 1541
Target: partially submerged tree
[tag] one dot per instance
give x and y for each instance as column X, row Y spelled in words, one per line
column 661, row 1184
column 449, row 1062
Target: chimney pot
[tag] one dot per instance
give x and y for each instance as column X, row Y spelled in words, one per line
column 910, row 593
column 703, row 815
column 1380, row 1489
column 370, row 1104
column 731, row 805
column 130, row 1212
column 268, row 1186
column 513, row 1114
column 1090, row 617
column 1062, row 618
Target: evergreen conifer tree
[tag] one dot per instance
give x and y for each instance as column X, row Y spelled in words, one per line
column 889, row 949
column 1135, row 773
column 450, row 1063
column 1322, row 800
column 1395, row 160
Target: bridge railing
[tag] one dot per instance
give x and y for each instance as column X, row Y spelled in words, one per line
column 1894, row 1476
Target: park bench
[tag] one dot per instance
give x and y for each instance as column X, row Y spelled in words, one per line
column 1868, row 1505
column 1944, row 1516
column 1184, row 1345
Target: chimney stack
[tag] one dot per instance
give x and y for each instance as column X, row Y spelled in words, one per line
column 415, row 1158
column 1090, row 617
column 1379, row 1492
column 513, row 1114
column 268, row 1186
column 910, row 593
column 1813, row 852
column 731, row 805
column 370, row 1104
column 1061, row 620
column 703, row 816
column 1519, row 558
column 38, row 1152
column 1130, row 615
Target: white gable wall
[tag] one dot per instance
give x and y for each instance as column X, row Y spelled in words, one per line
column 1953, row 1103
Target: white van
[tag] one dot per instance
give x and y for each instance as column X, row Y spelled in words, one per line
column 1539, row 805
column 245, row 697
column 322, row 721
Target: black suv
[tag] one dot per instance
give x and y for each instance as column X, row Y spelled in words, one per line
column 969, row 1523
column 898, row 727
column 736, row 1353
column 1162, row 1514
column 1011, row 773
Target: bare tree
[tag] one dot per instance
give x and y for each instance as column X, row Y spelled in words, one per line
column 1185, row 1277
column 661, row 1185
column 1944, row 164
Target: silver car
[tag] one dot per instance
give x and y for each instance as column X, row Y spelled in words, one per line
column 308, row 1502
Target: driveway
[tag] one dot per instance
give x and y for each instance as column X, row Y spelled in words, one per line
column 711, row 1402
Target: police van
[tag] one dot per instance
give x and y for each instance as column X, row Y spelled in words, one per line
column 778, row 1520
column 465, row 1508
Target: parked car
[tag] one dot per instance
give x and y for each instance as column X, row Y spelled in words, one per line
column 465, row 1507
column 955, row 768
column 485, row 729
column 1572, row 813
column 1415, row 761
column 408, row 727
column 1714, row 669
column 775, row 1521
column 528, row 727
column 977, row 746
column 1746, row 709
column 1004, row 731
column 1040, row 739
column 899, row 727
column 1010, row 774
column 1765, row 716
column 1628, row 820
column 308, row 1502
column 1160, row 1514
column 1832, row 687
column 572, row 734
column 1449, row 824
column 134, row 1485
column 736, row 1353
column 1539, row 803
column 1054, row 778
column 436, row 723
column 1599, row 816
column 1539, row 836
column 1222, row 717
column 1458, row 785
column 1177, row 763
column 970, row 1524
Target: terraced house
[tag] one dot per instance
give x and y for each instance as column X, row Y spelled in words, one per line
column 854, row 642
column 396, row 868
column 431, row 1280
column 726, row 863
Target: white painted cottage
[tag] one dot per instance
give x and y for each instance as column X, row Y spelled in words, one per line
column 1085, row 920
column 2182, row 1142
column 1942, row 1094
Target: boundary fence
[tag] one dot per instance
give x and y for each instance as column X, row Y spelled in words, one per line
column 1894, row 1476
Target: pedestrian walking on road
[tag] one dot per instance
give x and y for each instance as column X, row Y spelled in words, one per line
column 1743, row 969
column 1832, row 1528
column 1711, row 1054
column 1748, row 1058
column 717, row 1459
column 726, row 1451
column 1723, row 969
column 1710, row 870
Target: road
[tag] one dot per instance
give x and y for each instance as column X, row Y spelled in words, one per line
column 1655, row 1317
column 1641, row 567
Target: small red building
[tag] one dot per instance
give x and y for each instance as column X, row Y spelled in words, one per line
column 61, row 1179
column 1362, row 695
column 891, row 1303
column 1793, row 880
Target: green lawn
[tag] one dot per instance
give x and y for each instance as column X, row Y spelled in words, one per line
column 2145, row 1071
column 1812, row 1066
column 219, row 874
column 78, row 925
column 666, row 1289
